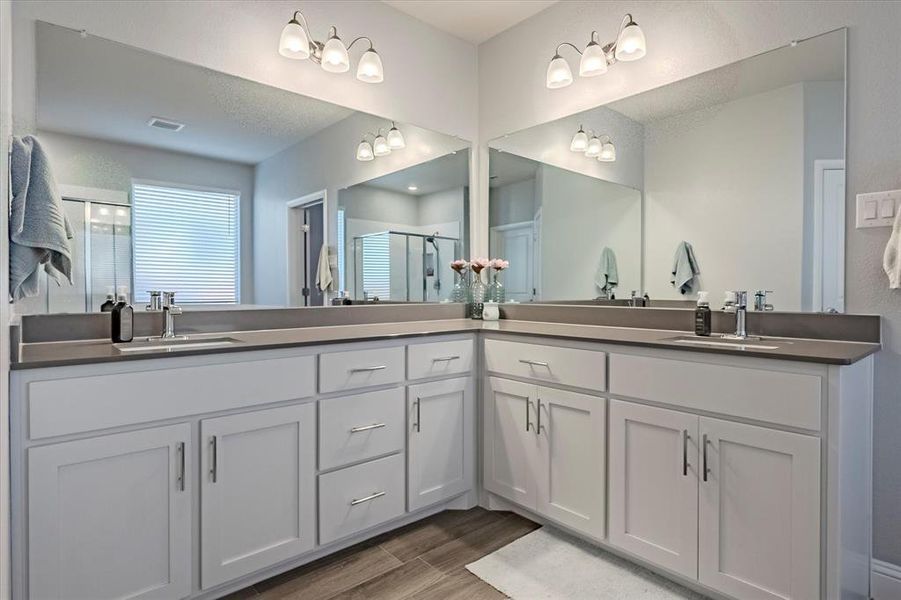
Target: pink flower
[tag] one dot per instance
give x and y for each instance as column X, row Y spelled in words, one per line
column 459, row 265
column 499, row 264
column 477, row 264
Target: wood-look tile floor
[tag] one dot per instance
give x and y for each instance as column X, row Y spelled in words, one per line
column 425, row 560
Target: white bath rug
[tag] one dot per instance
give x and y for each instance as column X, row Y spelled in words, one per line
column 548, row 564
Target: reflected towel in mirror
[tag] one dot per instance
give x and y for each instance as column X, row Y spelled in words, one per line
column 324, row 270
column 39, row 232
column 685, row 269
column 607, row 277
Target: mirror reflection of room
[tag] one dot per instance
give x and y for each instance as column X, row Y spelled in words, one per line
column 717, row 163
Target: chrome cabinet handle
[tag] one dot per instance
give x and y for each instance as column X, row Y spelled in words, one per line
column 533, row 363
column 704, row 442
column 356, row 501
column 180, row 477
column 214, row 459
column 528, row 423
column 538, row 425
column 445, row 358
column 685, row 438
column 368, row 369
column 418, row 423
column 367, row 427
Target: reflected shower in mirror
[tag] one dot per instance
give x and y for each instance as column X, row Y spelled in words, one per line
column 740, row 172
column 229, row 192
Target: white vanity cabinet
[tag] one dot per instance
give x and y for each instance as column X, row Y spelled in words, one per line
column 110, row 516
column 545, row 450
column 258, row 490
column 440, row 449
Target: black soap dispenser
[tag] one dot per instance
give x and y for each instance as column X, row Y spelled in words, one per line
column 110, row 301
column 702, row 315
column 122, row 320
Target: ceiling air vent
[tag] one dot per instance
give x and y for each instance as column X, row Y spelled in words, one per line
column 165, row 124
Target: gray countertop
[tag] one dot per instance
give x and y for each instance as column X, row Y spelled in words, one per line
column 53, row 354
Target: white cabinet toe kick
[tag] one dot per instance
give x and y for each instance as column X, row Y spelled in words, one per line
column 194, row 477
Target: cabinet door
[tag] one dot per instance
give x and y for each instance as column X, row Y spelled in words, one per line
column 440, row 449
column 258, row 490
column 571, row 478
column 654, row 485
column 110, row 517
column 511, row 445
column 759, row 517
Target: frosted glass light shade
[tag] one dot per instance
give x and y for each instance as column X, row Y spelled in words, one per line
column 370, row 67
column 594, row 147
column 396, row 139
column 580, row 141
column 294, row 42
column 558, row 73
column 334, row 56
column 364, row 151
column 594, row 61
column 630, row 45
column 380, row 146
column 608, row 153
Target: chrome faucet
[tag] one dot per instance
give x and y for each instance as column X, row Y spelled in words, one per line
column 738, row 305
column 170, row 310
column 760, row 302
column 156, row 304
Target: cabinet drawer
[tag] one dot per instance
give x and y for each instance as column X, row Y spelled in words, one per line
column 791, row 399
column 86, row 403
column 354, row 428
column 439, row 358
column 566, row 366
column 360, row 368
column 360, row 497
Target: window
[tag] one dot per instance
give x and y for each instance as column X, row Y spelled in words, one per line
column 341, row 250
column 186, row 240
column 377, row 265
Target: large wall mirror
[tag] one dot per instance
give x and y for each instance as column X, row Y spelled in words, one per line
column 729, row 180
column 233, row 193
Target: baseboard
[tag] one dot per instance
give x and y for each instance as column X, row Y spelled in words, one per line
column 885, row 581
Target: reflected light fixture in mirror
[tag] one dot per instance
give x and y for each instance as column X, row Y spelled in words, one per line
column 629, row 45
column 593, row 146
column 382, row 145
column 608, row 151
column 364, row 151
column 395, row 138
column 333, row 56
column 580, row 141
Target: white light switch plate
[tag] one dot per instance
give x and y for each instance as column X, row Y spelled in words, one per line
column 878, row 209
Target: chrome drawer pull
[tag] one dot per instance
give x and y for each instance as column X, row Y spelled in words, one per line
column 704, row 442
column 368, row 369
column 533, row 363
column 685, row 438
column 214, row 459
column 418, row 423
column 180, row 478
column 367, row 498
column 445, row 358
column 367, row 427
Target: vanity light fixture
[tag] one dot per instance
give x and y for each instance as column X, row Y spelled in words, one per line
column 593, row 146
column 395, row 138
column 381, row 145
column 296, row 42
column 364, row 151
column 629, row 45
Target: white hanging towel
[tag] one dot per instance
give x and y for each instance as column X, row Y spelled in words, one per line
column 323, row 271
column 891, row 259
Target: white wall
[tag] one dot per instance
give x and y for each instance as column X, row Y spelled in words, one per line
column 324, row 161
column 512, row 203
column 580, row 215
column 111, row 165
column 5, row 132
column 687, row 38
column 729, row 180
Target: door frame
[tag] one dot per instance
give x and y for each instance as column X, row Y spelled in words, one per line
column 819, row 168
column 525, row 226
column 295, row 248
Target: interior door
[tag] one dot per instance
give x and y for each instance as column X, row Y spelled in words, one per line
column 258, row 490
column 314, row 237
column 572, row 438
column 511, row 445
column 759, row 517
column 514, row 243
column 110, row 517
column 440, row 445
column 654, row 485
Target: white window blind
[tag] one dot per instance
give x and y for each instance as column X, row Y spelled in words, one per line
column 377, row 265
column 341, row 251
column 187, row 241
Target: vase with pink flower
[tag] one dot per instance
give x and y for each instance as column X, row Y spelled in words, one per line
column 460, row 293
column 477, row 290
column 496, row 292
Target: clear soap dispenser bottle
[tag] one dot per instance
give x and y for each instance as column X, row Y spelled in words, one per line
column 703, row 315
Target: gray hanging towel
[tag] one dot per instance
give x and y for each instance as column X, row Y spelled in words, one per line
column 685, row 269
column 607, row 276
column 39, row 232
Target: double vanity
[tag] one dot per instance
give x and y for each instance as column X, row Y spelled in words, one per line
column 743, row 473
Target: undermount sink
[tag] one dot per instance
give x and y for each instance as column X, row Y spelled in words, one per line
column 175, row 345
column 749, row 344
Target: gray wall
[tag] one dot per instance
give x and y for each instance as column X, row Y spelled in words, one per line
column 111, row 165
column 512, row 68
